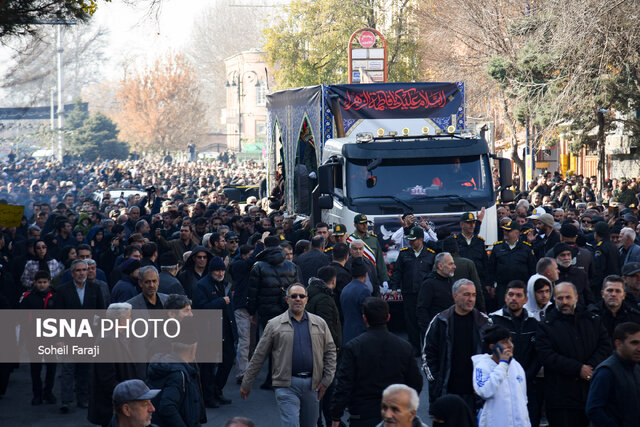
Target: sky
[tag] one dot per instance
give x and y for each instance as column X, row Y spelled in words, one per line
column 136, row 35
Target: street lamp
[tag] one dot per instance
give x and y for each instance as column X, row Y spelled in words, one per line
column 237, row 79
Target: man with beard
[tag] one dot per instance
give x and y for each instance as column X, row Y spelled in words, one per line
column 613, row 308
column 570, row 343
column 514, row 317
column 435, row 292
column 569, row 273
column 547, row 235
column 195, row 268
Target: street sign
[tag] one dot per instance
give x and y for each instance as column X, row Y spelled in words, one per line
column 367, row 39
column 367, row 51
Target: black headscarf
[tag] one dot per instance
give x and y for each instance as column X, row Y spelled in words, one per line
column 453, row 410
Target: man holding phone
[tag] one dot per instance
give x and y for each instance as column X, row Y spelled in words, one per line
column 500, row 380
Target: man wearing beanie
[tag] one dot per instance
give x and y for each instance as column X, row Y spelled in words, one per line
column 268, row 281
column 605, row 257
column 547, row 236
column 563, row 255
column 351, row 300
column 210, row 294
column 127, row 287
column 582, row 257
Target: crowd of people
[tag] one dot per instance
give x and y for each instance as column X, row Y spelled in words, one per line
column 543, row 330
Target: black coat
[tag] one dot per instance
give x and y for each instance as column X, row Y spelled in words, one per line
column 626, row 313
column 564, row 343
column 606, row 262
column 309, row 263
column 506, row 264
column 188, row 277
column 475, row 251
column 578, row 277
column 523, row 336
column 369, row 363
column 438, row 346
column 67, row 297
column 179, row 404
column 408, row 272
column 434, row 297
column 268, row 282
column 239, row 271
column 106, row 376
column 322, row 303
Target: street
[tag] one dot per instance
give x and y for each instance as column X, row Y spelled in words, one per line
column 16, row 409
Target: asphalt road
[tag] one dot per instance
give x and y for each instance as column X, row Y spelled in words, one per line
column 16, row 409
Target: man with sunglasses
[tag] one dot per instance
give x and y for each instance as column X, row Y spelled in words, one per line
column 299, row 377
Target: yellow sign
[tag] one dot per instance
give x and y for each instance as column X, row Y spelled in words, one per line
column 10, row 216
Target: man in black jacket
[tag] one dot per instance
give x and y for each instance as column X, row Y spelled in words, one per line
column 514, row 317
column 435, row 291
column 312, row 260
column 361, row 379
column 269, row 279
column 195, row 268
column 563, row 255
column 570, row 343
column 75, row 295
column 614, row 395
column 454, row 335
column 613, row 308
column 413, row 261
column 605, row 257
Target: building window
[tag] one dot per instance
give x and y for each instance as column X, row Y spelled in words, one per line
column 261, row 132
column 261, row 94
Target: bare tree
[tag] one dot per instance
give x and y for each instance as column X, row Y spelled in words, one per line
column 212, row 42
column 31, row 71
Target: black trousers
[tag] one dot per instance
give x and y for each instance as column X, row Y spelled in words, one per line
column 567, row 417
column 36, row 379
column 410, row 302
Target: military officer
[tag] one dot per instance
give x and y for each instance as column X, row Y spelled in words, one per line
column 372, row 249
column 511, row 259
column 414, row 263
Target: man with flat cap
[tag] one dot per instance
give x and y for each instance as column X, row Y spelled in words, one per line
column 132, row 404
column 414, row 262
column 511, row 259
column 372, row 249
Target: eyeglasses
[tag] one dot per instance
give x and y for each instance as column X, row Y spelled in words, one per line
column 232, row 241
column 296, row 296
column 585, row 221
column 201, row 256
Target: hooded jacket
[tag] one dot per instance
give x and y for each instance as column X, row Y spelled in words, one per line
column 322, row 303
column 188, row 276
column 503, row 387
column 531, row 305
column 180, row 402
column 268, row 281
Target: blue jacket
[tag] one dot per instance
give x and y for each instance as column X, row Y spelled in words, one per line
column 124, row 290
column 351, row 300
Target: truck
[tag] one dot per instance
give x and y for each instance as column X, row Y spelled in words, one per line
column 383, row 150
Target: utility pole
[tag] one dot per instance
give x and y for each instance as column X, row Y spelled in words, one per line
column 59, row 150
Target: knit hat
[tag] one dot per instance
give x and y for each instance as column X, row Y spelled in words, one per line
column 559, row 248
column 569, row 230
column 358, row 269
column 216, row 264
column 167, row 259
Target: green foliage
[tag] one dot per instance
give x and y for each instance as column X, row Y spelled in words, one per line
column 307, row 45
column 76, row 118
column 97, row 137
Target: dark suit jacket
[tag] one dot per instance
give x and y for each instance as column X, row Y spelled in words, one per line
column 67, row 297
column 309, row 263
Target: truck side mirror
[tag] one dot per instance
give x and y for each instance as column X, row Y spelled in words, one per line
column 325, row 178
column 325, row 202
column 506, row 175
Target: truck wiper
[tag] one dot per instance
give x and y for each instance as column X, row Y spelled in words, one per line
column 394, row 198
column 448, row 196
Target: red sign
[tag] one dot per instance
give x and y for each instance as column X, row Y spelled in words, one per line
column 367, row 39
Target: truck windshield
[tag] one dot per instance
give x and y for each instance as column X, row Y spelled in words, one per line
column 420, row 178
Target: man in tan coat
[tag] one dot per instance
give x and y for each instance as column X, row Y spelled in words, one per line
column 301, row 378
